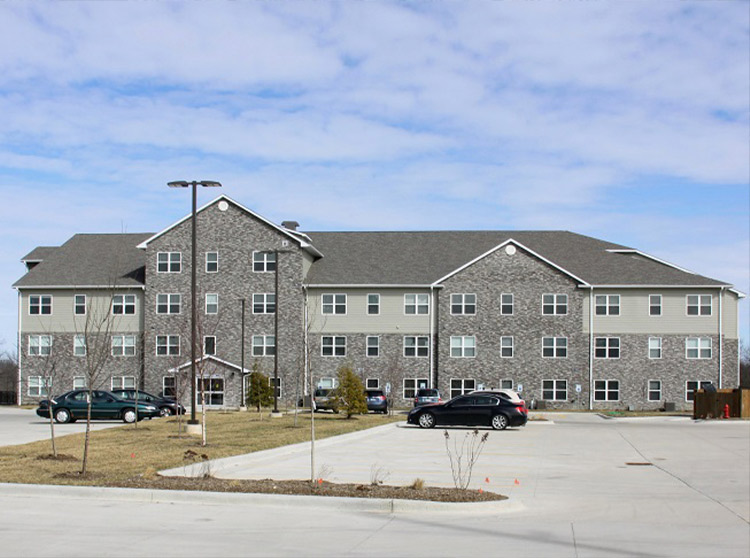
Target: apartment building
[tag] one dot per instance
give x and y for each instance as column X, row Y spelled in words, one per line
column 563, row 318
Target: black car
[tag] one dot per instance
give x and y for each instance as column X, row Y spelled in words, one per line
column 470, row 410
column 376, row 400
column 166, row 405
column 105, row 405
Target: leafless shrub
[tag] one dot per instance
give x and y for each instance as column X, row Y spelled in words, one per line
column 463, row 457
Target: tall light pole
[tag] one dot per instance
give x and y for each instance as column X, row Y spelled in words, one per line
column 194, row 184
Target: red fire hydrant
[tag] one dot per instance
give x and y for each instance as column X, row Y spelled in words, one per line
column 726, row 411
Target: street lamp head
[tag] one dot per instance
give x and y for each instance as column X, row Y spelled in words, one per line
column 210, row 184
column 185, row 183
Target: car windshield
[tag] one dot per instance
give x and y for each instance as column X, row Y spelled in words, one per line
column 427, row 393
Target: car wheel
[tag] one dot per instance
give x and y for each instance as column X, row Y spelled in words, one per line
column 165, row 412
column 129, row 416
column 62, row 416
column 426, row 420
column 500, row 422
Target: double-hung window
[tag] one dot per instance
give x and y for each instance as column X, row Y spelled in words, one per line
column 373, row 304
column 463, row 304
column 654, row 347
column 212, row 262
column 607, row 305
column 123, row 304
column 333, row 345
column 264, row 262
column 691, row 386
column 373, row 346
column 654, row 390
column 40, row 345
column 506, row 304
column 123, row 345
column 264, row 303
column 334, row 304
column 167, row 345
column 654, row 305
column 462, row 386
column 39, row 386
column 416, row 346
column 168, row 303
column 416, row 304
column 169, row 262
column 463, row 346
column 79, row 305
column 275, row 385
column 411, row 385
column 264, row 345
column 122, row 382
column 554, row 347
column 698, row 305
column 212, row 303
column 606, row 390
column 698, row 347
column 40, row 305
column 209, row 345
column 506, row 346
column 555, row 304
column 555, row 390
column 79, row 345
column 607, row 347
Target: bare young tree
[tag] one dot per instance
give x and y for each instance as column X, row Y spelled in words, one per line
column 47, row 360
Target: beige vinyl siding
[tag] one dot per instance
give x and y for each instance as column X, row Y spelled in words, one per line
column 634, row 313
column 63, row 320
column 390, row 320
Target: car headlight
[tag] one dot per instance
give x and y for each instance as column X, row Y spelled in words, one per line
column 150, row 408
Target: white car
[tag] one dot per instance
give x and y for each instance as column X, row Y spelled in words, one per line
column 508, row 394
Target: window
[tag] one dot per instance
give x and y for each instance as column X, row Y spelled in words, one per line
column 169, row 262
column 411, row 385
column 463, row 347
column 123, row 345
column 122, row 382
column 373, row 346
column 416, row 304
column 698, row 305
column 123, row 304
column 416, row 346
column 327, row 383
column 372, row 383
column 506, row 304
column 209, row 345
column 461, row 386
column 654, row 347
column 212, row 389
column 691, row 386
column 264, row 345
column 79, row 382
column 264, row 303
column 654, row 305
column 40, row 305
column 554, row 347
column 555, row 304
column 39, row 386
column 555, row 390
column 334, row 303
column 212, row 303
column 607, row 347
column 698, row 347
column 212, row 262
column 333, row 346
column 79, row 305
column 40, row 345
column 373, row 304
column 506, row 347
column 167, row 345
column 607, row 305
column 275, row 384
column 264, row 262
column 654, row 390
column 79, row 345
column 167, row 303
column 463, row 304
column 506, row 384
column 168, row 386
column 606, row 390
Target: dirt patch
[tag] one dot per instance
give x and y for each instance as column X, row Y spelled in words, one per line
column 77, row 475
column 305, row 488
column 58, row 457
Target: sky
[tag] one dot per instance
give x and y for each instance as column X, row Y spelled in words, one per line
column 626, row 121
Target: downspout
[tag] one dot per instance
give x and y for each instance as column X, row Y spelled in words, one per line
column 739, row 370
column 591, row 348
column 432, row 336
column 721, row 335
column 305, row 343
column 19, row 347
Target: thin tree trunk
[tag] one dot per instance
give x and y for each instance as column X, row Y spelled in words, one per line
column 84, row 464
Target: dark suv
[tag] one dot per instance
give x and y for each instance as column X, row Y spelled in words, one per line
column 425, row 396
column 376, row 400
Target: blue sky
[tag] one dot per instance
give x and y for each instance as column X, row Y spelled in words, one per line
column 627, row 121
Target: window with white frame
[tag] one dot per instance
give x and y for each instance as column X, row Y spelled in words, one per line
column 607, row 347
column 654, row 305
column 461, row 386
column 416, row 304
column 463, row 346
column 698, row 305
column 698, row 347
column 555, row 390
column 167, row 345
column 607, row 305
column 212, row 262
column 506, row 346
column 213, row 389
column 38, row 386
column 169, row 262
column 264, row 262
column 334, row 303
column 373, row 304
column 79, row 305
column 654, row 390
column 606, row 390
column 275, row 385
column 168, row 303
column 327, row 383
column 506, row 384
column 416, row 346
column 79, row 345
column 212, row 303
column 411, row 385
column 40, row 305
column 506, row 304
column 555, row 304
column 372, row 383
column 79, row 382
column 264, row 303
column 122, row 382
column 123, row 304
column 168, row 386
column 40, row 345
column 209, row 345
column 373, row 346
column 554, row 347
column 123, row 345
column 463, row 304
column 264, row 345
column 654, row 347
column 333, row 346
column 691, row 386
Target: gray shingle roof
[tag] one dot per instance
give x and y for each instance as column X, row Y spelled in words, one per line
column 40, row 253
column 89, row 260
column 421, row 258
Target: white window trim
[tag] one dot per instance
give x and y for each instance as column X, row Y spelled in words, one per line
column 417, row 304
column 265, row 303
column 265, row 346
column 607, row 347
column 463, row 389
column 215, row 344
column 41, row 296
column 206, row 304
column 699, row 382
column 169, row 262
column 169, row 304
column 661, row 306
column 649, row 390
column 79, row 382
column 700, row 305
column 39, row 345
column 463, row 347
column 554, row 346
column 334, row 304
column 699, row 348
column 122, row 381
column 415, row 388
column 42, row 384
column 167, row 345
column 368, row 380
column 272, row 383
column 368, row 304
column 124, row 346
column 512, row 346
column 463, row 304
column 416, row 346
column 512, row 383
column 76, row 338
column 367, row 346
column 554, row 389
column 661, row 348
column 265, row 261
column 333, row 346
column 512, row 304
column 75, row 305
column 555, row 304
column 216, row 262
column 608, row 305
column 606, row 391
column 172, row 387
column 125, row 305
